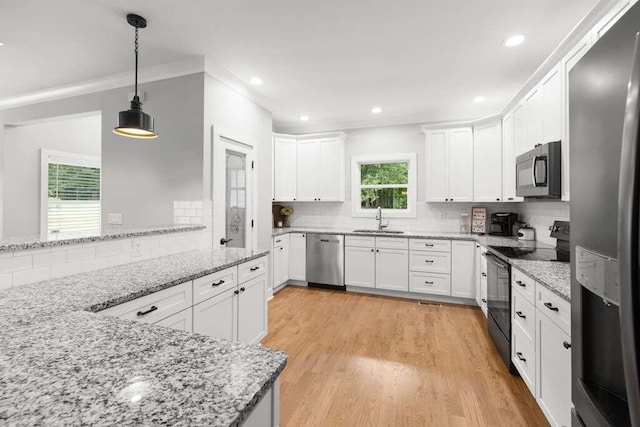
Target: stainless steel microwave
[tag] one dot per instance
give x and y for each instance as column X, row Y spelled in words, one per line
column 538, row 172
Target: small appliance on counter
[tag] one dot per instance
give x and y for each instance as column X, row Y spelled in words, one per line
column 526, row 234
column 517, row 226
column 502, row 223
column 478, row 220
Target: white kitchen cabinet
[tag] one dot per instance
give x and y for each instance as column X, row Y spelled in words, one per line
column 483, row 280
column 392, row 269
column 252, row 310
column 320, row 169
column 218, row 316
column 519, row 132
column 298, row 256
column 553, row 371
column 462, row 275
column 360, row 266
column 487, row 162
column 276, row 267
column 284, row 168
column 449, row 165
column 509, row 159
column 533, row 103
column 182, row 321
column 307, row 165
column 553, row 105
column 280, row 259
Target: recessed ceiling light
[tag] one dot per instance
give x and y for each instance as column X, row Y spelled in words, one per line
column 304, row 118
column 376, row 110
column 479, row 99
column 257, row 81
column 1, row 44
column 514, row 40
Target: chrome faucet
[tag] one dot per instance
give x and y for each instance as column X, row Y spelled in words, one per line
column 379, row 219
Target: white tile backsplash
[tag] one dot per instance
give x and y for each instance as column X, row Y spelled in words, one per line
column 540, row 216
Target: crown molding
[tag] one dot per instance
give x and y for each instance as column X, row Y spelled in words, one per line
column 159, row 72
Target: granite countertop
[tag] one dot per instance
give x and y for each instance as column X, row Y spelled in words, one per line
column 63, row 363
column 23, row 243
column 554, row 275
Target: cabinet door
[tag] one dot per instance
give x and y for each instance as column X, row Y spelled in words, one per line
column 614, row 14
column 553, row 371
column 307, row 170
column 519, row 132
column 462, row 269
column 276, row 257
column 487, row 163
column 284, row 169
column 182, row 321
column 533, row 102
column 509, row 159
column 330, row 170
column 284, row 274
column 252, row 310
column 483, row 281
column 359, row 266
column 460, row 165
column 437, row 187
column 553, row 110
column 569, row 61
column 392, row 269
column 298, row 257
column 218, row 316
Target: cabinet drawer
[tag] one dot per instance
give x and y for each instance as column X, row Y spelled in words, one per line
column 213, row 284
column 391, row 243
column 430, row 245
column 182, row 321
column 360, row 241
column 557, row 309
column 156, row 306
column 523, row 356
column 430, row 283
column 523, row 313
column 277, row 241
column 251, row 269
column 432, row 262
column 523, row 283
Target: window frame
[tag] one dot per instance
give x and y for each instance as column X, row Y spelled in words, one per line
column 356, row 184
column 74, row 159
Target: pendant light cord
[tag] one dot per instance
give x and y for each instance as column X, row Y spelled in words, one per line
column 136, row 51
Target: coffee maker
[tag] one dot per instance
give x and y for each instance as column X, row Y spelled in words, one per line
column 502, row 223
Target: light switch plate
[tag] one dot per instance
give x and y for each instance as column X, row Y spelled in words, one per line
column 115, row 218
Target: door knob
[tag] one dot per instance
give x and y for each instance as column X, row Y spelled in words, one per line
column 224, row 241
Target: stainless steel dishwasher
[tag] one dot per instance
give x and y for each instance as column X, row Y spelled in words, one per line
column 325, row 260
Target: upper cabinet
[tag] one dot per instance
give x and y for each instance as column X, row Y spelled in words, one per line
column 449, row 164
column 533, row 105
column 487, row 162
column 509, row 158
column 308, row 168
column 553, row 110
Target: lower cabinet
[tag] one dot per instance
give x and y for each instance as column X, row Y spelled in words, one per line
column 252, row 311
column 280, row 259
column 463, row 275
column 430, row 283
column 374, row 262
column 298, row 257
column 392, row 269
column 360, row 267
column 554, row 371
column 182, row 321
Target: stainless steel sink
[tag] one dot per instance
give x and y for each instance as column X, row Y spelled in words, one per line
column 379, row 231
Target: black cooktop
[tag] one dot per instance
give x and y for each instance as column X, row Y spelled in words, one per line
column 533, row 254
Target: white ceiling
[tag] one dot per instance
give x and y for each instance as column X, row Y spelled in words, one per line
column 419, row 60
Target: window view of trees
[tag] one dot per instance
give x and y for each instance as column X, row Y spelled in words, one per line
column 384, row 185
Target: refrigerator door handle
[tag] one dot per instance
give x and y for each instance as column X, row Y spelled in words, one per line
column 628, row 242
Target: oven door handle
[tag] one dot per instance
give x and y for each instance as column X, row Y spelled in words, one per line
column 495, row 260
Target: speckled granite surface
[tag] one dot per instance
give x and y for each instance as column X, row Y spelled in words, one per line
column 35, row 242
column 556, row 276
column 62, row 364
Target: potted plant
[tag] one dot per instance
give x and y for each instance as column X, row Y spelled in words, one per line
column 286, row 212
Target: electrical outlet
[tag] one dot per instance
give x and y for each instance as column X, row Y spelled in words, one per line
column 115, row 218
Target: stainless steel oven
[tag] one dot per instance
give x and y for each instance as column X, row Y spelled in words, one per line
column 499, row 306
column 538, row 172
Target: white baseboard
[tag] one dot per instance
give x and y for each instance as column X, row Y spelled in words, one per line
column 413, row 295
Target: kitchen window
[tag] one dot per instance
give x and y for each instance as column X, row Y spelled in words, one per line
column 386, row 181
column 70, row 195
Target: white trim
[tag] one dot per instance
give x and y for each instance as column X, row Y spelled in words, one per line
column 59, row 157
column 412, row 196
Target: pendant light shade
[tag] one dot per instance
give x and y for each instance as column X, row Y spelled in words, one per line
column 134, row 122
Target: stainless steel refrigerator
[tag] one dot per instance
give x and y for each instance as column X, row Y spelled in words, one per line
column 604, row 118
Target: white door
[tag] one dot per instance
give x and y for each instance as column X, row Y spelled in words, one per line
column 553, row 106
column 298, row 257
column 437, row 181
column 519, row 131
column 487, row 163
column 392, row 269
column 359, row 266
column 554, row 371
column 307, row 163
column 252, row 310
column 182, row 321
column 509, row 159
column 533, row 102
column 284, row 169
column 462, row 273
column 329, row 172
column 233, row 187
column 460, row 165
column 218, row 316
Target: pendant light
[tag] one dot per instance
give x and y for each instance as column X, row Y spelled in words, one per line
column 134, row 122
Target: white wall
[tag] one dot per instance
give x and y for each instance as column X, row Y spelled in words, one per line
column 22, row 145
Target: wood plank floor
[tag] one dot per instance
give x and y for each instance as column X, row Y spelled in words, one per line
column 361, row 360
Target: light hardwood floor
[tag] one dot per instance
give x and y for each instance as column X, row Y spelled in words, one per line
column 360, row 360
